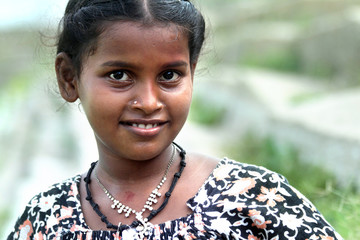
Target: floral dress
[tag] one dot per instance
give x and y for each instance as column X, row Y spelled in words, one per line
column 237, row 201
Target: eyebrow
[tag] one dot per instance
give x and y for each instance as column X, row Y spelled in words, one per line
column 176, row 64
column 117, row 64
column 122, row 64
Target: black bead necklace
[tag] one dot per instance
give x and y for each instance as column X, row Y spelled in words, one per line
column 152, row 214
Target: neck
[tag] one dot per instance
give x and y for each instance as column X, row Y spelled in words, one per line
column 113, row 169
column 141, row 220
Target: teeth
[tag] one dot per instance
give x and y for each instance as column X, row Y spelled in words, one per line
column 143, row 126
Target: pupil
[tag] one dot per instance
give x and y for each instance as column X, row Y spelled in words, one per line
column 168, row 75
column 118, row 75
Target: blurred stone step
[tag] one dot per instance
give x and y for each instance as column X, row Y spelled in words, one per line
column 323, row 125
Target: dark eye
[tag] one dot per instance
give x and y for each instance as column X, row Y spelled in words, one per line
column 119, row 76
column 169, row 76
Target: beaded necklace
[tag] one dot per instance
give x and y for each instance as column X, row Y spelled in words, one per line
column 122, row 208
column 142, row 228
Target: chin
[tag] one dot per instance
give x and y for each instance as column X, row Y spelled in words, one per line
column 146, row 151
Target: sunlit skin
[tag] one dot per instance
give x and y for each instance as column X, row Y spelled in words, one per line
column 136, row 89
column 141, row 77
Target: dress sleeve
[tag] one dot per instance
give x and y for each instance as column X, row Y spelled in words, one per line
column 36, row 218
column 256, row 203
column 24, row 226
column 286, row 213
column 49, row 212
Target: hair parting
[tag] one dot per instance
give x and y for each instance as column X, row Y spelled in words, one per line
column 85, row 20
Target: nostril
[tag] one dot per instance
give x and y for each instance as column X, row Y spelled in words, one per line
column 148, row 107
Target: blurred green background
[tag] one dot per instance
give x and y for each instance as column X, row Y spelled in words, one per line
column 278, row 85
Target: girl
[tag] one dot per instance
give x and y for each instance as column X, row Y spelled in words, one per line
column 131, row 63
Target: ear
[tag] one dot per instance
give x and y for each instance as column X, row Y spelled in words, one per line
column 66, row 77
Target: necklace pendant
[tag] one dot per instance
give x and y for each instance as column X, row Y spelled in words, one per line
column 121, row 209
column 140, row 236
column 140, row 228
column 143, row 229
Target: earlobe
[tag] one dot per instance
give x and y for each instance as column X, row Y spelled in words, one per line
column 66, row 77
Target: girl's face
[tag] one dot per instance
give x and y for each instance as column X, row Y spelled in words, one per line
column 136, row 89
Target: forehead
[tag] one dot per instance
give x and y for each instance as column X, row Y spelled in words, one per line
column 126, row 38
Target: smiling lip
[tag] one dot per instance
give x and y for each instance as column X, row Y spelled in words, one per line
column 146, row 128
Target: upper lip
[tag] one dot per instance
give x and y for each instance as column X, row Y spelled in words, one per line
column 144, row 121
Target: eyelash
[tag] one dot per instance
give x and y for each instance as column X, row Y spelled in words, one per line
column 173, row 72
column 118, row 71
column 178, row 75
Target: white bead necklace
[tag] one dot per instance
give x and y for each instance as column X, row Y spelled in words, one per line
column 122, row 208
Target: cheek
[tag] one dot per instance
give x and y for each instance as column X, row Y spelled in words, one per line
column 100, row 106
column 181, row 104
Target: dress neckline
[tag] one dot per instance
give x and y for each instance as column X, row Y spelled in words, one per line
column 188, row 202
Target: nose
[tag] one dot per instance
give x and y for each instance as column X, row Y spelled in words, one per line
column 147, row 98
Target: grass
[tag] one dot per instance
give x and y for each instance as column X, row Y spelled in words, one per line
column 340, row 206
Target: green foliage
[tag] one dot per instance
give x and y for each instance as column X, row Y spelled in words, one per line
column 205, row 110
column 321, row 69
column 341, row 207
column 19, row 84
column 305, row 97
column 4, row 216
column 281, row 60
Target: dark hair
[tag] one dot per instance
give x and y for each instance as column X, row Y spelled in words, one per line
column 84, row 21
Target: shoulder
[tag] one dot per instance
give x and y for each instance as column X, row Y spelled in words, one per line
column 231, row 170
column 231, row 179
column 58, row 200
column 204, row 162
column 198, row 169
column 246, row 196
column 56, row 194
column 227, row 175
column 250, row 184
